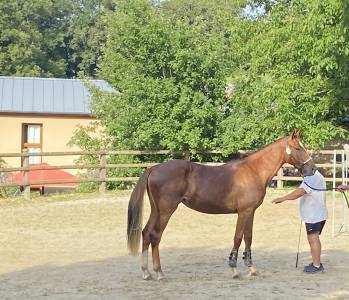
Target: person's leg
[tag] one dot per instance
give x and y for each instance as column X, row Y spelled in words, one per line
column 315, row 248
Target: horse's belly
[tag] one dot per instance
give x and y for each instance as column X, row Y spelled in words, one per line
column 209, row 207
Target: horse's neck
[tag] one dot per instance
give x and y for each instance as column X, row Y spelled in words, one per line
column 268, row 161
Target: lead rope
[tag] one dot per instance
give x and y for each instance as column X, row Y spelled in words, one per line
column 329, row 189
column 299, row 240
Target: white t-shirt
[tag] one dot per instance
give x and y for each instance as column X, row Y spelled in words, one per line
column 313, row 204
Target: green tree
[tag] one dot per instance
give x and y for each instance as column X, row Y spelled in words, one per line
column 170, row 65
column 290, row 71
column 85, row 37
column 51, row 38
column 171, row 60
column 24, row 51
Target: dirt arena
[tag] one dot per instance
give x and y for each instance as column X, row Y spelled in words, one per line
column 76, row 249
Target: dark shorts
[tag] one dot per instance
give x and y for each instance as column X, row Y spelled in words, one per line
column 315, row 227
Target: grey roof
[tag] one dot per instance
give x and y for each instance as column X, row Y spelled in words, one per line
column 46, row 95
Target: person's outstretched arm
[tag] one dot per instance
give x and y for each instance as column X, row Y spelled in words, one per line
column 291, row 196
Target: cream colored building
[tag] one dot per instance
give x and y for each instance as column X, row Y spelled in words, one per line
column 52, row 134
column 41, row 114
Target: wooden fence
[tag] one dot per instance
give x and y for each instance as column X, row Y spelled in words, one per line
column 103, row 166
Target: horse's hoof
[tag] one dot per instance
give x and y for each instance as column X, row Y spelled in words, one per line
column 253, row 271
column 161, row 276
column 147, row 275
column 236, row 274
column 232, row 263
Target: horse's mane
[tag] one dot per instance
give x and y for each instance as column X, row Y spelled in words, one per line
column 249, row 153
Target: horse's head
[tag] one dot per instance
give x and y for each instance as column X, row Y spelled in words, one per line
column 297, row 155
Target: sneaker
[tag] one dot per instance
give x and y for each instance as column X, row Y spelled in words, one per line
column 312, row 269
column 307, row 266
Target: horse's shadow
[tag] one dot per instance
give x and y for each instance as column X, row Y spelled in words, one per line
column 194, row 273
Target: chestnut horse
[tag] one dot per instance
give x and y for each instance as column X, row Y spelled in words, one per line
column 238, row 186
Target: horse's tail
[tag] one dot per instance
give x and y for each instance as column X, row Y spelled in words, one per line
column 135, row 214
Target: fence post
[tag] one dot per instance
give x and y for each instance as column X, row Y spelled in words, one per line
column 102, row 172
column 26, row 184
column 280, row 174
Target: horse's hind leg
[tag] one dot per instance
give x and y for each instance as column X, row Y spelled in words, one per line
column 145, row 246
column 155, row 238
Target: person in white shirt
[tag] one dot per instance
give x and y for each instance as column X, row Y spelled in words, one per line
column 313, row 213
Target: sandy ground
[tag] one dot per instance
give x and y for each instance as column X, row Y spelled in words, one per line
column 76, row 249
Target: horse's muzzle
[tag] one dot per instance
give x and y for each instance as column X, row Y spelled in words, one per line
column 308, row 169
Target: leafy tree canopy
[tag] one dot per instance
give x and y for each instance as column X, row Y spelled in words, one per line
column 171, row 60
column 51, row 38
column 170, row 65
column 291, row 71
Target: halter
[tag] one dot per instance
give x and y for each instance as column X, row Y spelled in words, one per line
column 309, row 159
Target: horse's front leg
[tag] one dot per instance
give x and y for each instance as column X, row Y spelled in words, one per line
column 239, row 232
column 247, row 255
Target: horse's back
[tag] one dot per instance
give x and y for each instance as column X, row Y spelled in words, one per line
column 178, row 170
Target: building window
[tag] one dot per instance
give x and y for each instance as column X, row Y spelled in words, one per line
column 32, row 140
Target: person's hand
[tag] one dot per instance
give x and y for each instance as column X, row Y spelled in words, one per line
column 278, row 200
column 342, row 188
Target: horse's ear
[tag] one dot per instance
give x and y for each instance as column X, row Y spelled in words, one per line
column 295, row 134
